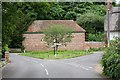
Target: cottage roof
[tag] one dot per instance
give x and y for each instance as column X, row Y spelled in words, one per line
column 114, row 20
column 38, row 25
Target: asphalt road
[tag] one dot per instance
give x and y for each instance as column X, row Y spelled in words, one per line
column 26, row 67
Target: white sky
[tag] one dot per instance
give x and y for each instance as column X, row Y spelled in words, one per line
column 118, row 1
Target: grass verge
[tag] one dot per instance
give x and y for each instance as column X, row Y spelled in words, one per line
column 1, row 64
column 59, row 55
column 0, row 60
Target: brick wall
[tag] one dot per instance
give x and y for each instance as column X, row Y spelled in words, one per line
column 77, row 42
column 94, row 44
column 35, row 42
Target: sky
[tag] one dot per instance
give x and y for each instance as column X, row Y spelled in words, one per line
column 117, row 1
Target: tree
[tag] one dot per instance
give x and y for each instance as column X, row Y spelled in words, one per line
column 15, row 20
column 70, row 16
column 92, row 22
column 57, row 34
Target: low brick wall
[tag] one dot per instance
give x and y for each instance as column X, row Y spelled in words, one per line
column 35, row 42
column 94, row 44
column 15, row 50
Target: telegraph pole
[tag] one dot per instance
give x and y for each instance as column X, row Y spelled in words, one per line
column 108, row 27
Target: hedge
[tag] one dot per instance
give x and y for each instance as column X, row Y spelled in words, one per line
column 111, row 60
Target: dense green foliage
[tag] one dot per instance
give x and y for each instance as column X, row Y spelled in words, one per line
column 17, row 16
column 93, row 23
column 111, row 60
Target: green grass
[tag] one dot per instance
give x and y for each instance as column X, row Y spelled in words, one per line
column 0, row 60
column 1, row 64
column 0, row 55
column 59, row 55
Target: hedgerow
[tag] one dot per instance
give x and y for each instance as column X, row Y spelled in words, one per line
column 111, row 60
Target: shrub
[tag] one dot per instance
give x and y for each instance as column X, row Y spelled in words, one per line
column 111, row 60
column 5, row 48
column 95, row 37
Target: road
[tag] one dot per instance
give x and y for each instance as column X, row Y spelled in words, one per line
column 27, row 67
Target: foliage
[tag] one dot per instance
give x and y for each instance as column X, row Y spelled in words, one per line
column 17, row 16
column 56, row 12
column 111, row 60
column 60, row 54
column 89, row 21
column 15, row 21
column 5, row 48
column 42, row 9
column 55, row 33
column 71, row 16
column 95, row 37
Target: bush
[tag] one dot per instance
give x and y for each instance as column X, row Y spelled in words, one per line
column 95, row 37
column 5, row 48
column 111, row 60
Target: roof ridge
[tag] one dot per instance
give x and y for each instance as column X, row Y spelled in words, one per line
column 38, row 25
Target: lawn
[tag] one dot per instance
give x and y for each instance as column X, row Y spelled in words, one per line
column 59, row 55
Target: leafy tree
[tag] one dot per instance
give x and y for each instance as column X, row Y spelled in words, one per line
column 42, row 9
column 16, row 18
column 55, row 33
column 71, row 16
column 56, row 12
column 91, row 22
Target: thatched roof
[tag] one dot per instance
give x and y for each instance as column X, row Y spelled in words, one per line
column 114, row 20
column 38, row 25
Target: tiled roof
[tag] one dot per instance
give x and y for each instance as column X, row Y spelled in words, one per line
column 38, row 25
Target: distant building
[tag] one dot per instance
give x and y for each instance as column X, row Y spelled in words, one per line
column 34, row 36
column 114, row 23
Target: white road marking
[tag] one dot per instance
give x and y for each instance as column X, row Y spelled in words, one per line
column 42, row 65
column 90, row 67
column 46, row 71
column 85, row 68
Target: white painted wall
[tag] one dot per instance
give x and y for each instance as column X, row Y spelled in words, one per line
column 114, row 34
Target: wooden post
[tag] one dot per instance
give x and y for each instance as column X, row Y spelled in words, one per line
column 7, row 56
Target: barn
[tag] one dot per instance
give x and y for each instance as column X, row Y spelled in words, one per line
column 34, row 36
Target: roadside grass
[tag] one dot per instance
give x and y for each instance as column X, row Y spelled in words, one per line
column 61, row 54
column 1, row 64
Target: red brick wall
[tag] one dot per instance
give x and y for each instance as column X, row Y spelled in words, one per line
column 34, row 42
column 77, row 42
column 94, row 44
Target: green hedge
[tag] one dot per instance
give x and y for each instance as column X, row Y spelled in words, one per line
column 111, row 60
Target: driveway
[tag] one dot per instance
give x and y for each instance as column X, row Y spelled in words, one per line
column 27, row 67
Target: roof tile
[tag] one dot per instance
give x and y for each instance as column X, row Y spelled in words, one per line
column 38, row 25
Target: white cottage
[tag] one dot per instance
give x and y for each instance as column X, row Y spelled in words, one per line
column 114, row 23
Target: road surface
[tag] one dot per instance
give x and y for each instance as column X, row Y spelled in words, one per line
column 27, row 67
